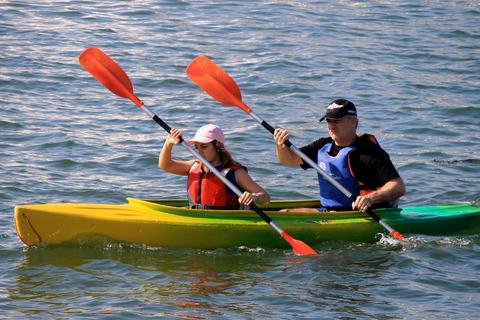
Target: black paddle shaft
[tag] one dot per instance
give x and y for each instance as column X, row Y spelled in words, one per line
column 272, row 131
column 163, row 125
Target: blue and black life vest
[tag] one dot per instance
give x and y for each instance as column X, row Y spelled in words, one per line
column 339, row 168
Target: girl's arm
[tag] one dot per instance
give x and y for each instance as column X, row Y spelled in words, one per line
column 165, row 161
column 244, row 180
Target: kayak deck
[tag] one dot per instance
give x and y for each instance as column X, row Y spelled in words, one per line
column 167, row 223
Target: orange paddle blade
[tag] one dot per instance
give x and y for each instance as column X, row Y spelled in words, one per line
column 108, row 73
column 216, row 82
column 299, row 248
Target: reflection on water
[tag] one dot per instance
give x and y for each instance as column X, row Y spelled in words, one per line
column 175, row 277
column 348, row 277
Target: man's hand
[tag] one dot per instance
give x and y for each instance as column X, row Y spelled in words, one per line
column 362, row 203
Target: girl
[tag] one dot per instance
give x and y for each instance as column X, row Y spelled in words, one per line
column 205, row 189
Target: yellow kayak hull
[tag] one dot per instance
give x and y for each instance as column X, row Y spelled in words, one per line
column 167, row 223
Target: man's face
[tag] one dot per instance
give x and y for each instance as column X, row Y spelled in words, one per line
column 342, row 130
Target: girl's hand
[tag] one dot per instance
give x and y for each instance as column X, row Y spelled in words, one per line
column 248, row 198
column 174, row 136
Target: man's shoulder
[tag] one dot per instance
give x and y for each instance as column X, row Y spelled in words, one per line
column 367, row 145
column 318, row 144
column 311, row 150
column 367, row 141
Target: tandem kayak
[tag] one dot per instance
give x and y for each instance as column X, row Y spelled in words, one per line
column 168, row 223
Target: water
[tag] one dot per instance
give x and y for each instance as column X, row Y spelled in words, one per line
column 411, row 67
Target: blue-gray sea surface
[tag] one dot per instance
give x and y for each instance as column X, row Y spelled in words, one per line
column 411, row 67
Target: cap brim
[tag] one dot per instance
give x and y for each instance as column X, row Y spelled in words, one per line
column 335, row 117
column 200, row 141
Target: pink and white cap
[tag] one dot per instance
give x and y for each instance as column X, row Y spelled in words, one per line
column 207, row 134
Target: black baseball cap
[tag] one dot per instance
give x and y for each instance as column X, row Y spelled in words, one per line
column 339, row 108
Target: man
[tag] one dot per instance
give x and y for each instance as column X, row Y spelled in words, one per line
column 357, row 162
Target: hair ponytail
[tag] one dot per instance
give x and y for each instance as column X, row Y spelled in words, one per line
column 225, row 155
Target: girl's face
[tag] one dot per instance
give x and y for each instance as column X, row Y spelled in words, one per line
column 209, row 152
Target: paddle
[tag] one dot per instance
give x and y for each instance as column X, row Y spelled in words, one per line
column 112, row 76
column 218, row 84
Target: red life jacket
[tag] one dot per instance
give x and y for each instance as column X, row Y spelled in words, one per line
column 207, row 191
